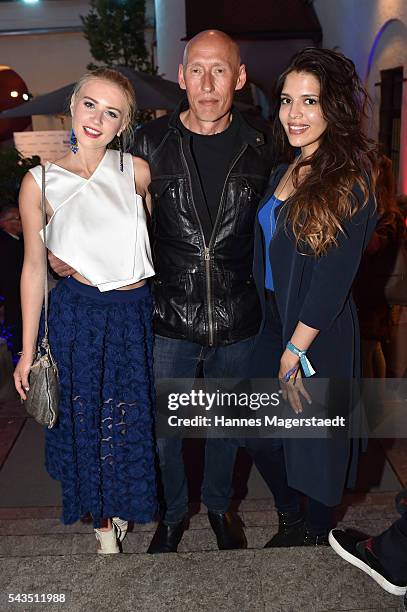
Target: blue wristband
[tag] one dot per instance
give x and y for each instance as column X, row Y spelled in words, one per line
column 304, row 361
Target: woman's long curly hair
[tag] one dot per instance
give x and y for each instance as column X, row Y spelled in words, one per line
column 323, row 200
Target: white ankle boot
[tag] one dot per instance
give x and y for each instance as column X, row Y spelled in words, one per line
column 107, row 542
column 121, row 527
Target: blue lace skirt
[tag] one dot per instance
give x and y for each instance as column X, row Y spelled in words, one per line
column 102, row 449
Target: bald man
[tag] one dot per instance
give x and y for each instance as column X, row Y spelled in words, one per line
column 209, row 168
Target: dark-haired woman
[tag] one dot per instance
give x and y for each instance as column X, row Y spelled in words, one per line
column 312, row 227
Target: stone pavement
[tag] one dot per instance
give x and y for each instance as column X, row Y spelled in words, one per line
column 39, row 555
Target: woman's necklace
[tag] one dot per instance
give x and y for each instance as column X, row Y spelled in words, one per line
column 272, row 213
column 297, row 161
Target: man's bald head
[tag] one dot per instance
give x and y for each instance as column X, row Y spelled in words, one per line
column 210, row 75
column 214, row 39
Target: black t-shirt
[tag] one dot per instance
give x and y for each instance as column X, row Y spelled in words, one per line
column 213, row 155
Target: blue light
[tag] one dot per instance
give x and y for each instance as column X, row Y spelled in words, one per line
column 375, row 45
column 30, row 1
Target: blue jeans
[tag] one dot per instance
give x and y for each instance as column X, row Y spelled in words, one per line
column 175, row 358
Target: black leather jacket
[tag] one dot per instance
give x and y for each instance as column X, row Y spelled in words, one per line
column 203, row 292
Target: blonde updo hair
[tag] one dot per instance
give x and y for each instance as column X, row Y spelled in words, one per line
column 118, row 79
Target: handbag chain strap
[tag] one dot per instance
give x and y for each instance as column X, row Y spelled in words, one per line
column 44, row 342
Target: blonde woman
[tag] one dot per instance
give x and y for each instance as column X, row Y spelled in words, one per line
column 102, row 449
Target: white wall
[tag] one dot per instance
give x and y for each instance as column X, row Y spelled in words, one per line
column 374, row 30
column 170, row 28
column 51, row 60
column 46, row 62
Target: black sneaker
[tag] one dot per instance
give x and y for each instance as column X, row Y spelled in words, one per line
column 358, row 551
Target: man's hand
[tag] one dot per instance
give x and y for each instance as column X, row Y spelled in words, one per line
column 60, row 267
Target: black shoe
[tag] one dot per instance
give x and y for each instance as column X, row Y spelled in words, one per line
column 290, row 530
column 167, row 538
column 315, row 540
column 228, row 529
column 358, row 551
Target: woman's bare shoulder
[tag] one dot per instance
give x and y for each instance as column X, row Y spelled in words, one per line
column 29, row 184
column 29, row 198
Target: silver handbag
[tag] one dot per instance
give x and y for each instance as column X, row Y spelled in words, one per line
column 43, row 395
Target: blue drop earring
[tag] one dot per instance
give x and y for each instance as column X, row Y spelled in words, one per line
column 73, row 142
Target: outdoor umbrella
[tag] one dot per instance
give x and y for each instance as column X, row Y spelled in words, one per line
column 152, row 92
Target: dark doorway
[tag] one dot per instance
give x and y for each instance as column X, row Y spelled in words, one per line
column 391, row 87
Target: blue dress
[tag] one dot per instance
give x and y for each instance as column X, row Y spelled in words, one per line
column 102, row 449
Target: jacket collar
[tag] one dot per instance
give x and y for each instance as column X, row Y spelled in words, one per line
column 247, row 133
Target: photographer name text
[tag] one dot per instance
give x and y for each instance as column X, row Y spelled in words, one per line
column 265, row 421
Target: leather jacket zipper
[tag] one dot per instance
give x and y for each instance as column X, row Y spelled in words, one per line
column 206, row 255
column 207, row 258
column 208, row 249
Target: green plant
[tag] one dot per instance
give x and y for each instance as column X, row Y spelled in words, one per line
column 115, row 32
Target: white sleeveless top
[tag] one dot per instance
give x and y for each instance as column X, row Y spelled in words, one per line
column 98, row 224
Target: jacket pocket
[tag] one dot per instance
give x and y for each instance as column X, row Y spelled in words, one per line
column 170, row 302
column 244, row 303
column 247, row 199
column 169, row 214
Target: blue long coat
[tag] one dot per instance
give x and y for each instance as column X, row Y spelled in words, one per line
column 316, row 291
